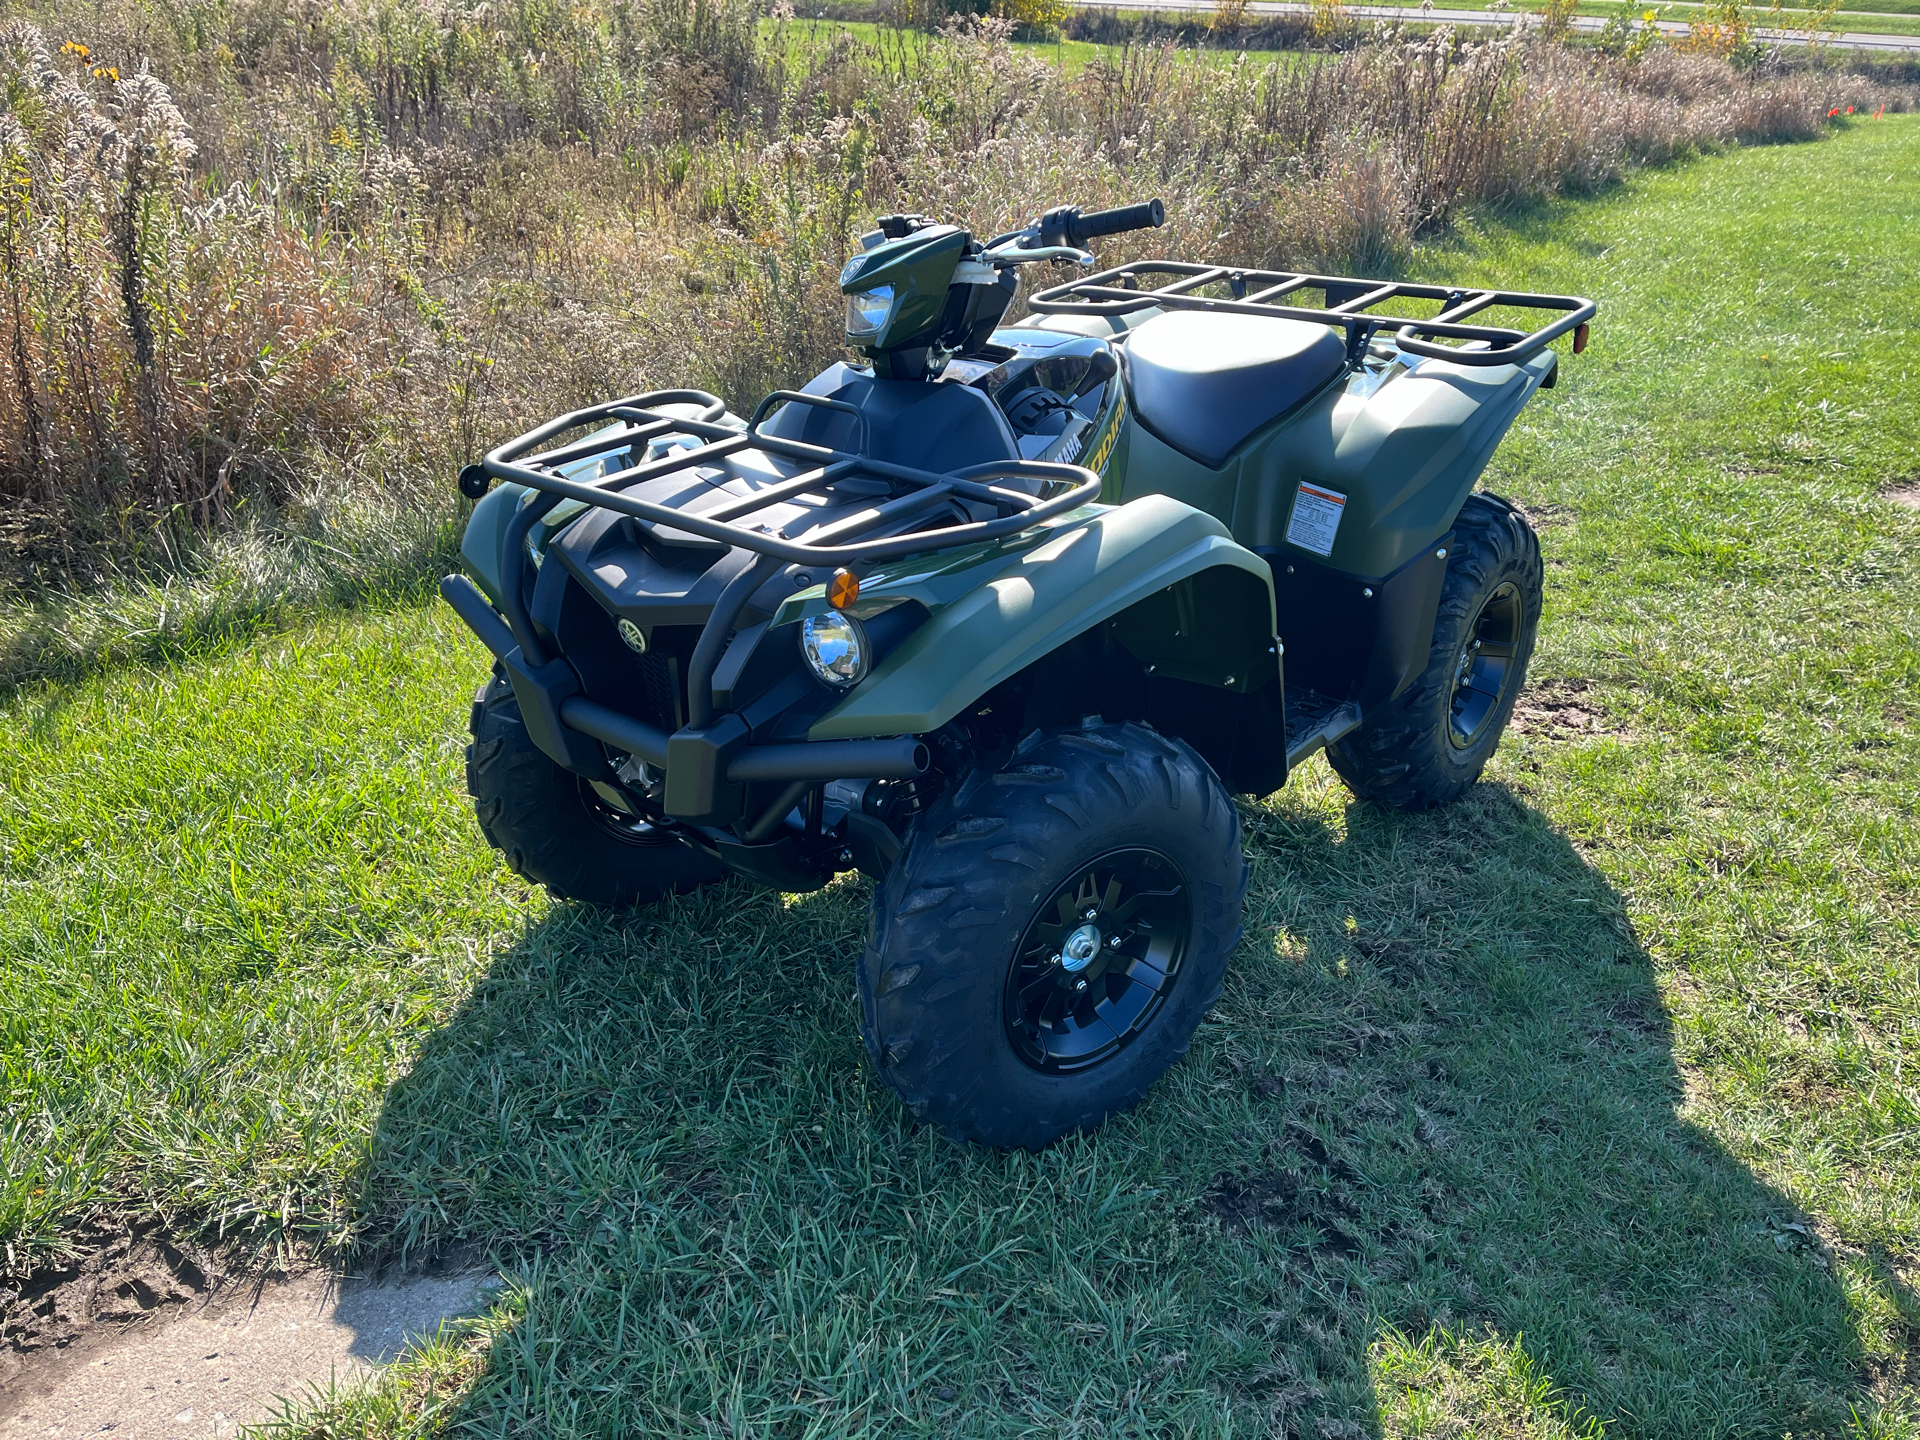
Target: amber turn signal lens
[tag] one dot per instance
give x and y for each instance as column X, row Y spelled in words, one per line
column 843, row 589
column 1579, row 337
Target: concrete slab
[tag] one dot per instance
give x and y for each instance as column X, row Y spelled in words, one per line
column 223, row 1363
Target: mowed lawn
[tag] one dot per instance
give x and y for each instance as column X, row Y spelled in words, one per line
column 1589, row 1102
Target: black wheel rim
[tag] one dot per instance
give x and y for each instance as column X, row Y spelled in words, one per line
column 622, row 825
column 1073, row 1003
column 1485, row 668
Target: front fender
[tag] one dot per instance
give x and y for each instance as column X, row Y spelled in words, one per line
column 1034, row 603
column 484, row 538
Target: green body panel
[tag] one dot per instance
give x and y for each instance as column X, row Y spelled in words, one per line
column 1404, row 446
column 992, row 616
column 481, row 545
column 486, row 532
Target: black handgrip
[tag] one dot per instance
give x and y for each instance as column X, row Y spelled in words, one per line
column 1067, row 226
column 1147, row 215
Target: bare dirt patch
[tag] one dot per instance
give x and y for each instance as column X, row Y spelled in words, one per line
column 1561, row 710
column 1551, row 517
column 1906, row 494
column 132, row 1272
column 1278, row 1200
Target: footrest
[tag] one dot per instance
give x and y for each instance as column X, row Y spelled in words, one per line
column 1315, row 721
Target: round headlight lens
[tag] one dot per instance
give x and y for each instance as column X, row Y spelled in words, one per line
column 836, row 649
column 867, row 310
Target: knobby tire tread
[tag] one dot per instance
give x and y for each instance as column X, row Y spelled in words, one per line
column 950, row 913
column 534, row 814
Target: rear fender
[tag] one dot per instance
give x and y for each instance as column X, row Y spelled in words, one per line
column 1127, row 561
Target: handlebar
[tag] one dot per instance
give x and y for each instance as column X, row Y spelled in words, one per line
column 1067, row 226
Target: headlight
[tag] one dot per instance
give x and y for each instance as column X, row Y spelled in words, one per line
column 867, row 310
column 836, row 649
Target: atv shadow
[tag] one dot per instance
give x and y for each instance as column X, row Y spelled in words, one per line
column 1427, row 1159
column 1471, row 1125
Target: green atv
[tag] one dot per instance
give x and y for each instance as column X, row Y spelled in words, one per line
column 1003, row 616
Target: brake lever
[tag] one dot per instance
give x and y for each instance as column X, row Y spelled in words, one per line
column 1002, row 259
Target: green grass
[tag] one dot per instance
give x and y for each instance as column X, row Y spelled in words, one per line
column 1888, row 17
column 1866, row 17
column 1880, row 7
column 1587, row 1102
column 1070, row 56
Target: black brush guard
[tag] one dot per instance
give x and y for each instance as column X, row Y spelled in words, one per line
column 711, row 752
column 1350, row 306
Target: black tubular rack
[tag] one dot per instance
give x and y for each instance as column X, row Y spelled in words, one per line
column 1350, row 305
column 548, row 690
column 532, row 461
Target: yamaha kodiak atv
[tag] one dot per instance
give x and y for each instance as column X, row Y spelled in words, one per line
column 1003, row 616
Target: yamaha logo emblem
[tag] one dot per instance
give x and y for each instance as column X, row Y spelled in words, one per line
column 635, row 637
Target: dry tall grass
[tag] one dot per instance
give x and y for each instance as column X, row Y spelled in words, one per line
column 269, row 264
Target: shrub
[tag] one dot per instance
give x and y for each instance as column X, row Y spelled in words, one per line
column 168, row 350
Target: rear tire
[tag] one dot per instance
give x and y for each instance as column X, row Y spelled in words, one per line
column 553, row 829
column 1429, row 745
column 1109, row 833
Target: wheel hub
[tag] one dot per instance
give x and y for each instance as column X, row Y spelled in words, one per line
column 1486, row 669
column 1082, row 948
column 1098, row 960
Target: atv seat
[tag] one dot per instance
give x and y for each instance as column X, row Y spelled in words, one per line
column 1204, row 382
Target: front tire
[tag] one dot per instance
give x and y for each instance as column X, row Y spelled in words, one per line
column 1428, row 745
column 1052, row 935
column 554, row 830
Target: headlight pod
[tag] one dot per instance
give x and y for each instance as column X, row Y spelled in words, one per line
column 867, row 310
column 836, row 649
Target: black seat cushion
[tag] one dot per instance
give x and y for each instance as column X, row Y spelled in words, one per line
column 1204, row 382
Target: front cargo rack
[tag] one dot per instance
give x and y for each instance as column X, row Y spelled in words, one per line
column 871, row 535
column 549, row 692
column 1349, row 305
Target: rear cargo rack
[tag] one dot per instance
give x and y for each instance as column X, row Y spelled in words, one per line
column 1350, row 305
column 530, row 460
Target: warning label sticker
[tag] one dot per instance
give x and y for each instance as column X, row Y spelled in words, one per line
column 1315, row 519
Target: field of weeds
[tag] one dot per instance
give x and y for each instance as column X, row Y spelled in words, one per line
column 274, row 272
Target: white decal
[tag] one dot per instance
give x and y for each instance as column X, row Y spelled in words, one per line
column 1315, row 519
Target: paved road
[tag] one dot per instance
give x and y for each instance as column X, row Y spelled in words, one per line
column 1586, row 24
